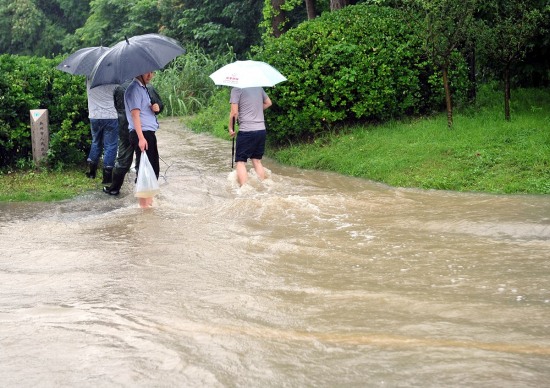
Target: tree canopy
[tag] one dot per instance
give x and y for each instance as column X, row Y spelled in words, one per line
column 52, row 27
column 39, row 27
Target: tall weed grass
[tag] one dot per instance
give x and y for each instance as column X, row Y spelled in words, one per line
column 185, row 86
column 215, row 117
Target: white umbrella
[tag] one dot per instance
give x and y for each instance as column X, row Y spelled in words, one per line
column 247, row 74
column 134, row 56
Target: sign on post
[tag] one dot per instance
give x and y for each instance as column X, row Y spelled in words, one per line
column 40, row 134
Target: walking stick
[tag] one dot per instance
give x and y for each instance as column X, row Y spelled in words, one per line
column 233, row 152
column 233, row 145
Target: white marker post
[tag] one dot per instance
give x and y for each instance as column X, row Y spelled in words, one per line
column 40, row 134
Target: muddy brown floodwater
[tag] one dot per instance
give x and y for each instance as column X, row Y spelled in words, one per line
column 306, row 279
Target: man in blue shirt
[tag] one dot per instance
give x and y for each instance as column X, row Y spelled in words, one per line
column 125, row 152
column 142, row 124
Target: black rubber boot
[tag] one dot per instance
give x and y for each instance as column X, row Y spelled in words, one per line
column 93, row 169
column 107, row 176
column 116, row 184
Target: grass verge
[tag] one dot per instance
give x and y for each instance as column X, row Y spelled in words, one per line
column 44, row 186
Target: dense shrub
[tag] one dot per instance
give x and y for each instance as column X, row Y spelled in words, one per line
column 29, row 83
column 360, row 63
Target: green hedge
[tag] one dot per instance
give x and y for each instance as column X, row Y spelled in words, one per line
column 29, row 83
column 362, row 63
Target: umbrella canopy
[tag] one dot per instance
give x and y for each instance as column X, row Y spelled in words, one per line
column 247, row 74
column 134, row 56
column 82, row 61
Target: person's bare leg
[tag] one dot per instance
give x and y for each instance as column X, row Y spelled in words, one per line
column 143, row 202
column 242, row 174
column 259, row 168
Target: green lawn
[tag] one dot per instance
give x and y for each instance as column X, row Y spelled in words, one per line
column 43, row 185
column 482, row 152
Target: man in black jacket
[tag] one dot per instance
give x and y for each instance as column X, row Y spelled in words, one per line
column 125, row 153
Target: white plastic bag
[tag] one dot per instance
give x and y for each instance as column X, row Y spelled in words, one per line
column 147, row 184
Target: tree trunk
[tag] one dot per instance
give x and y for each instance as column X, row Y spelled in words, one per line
column 338, row 4
column 472, row 89
column 310, row 8
column 278, row 17
column 448, row 96
column 507, row 92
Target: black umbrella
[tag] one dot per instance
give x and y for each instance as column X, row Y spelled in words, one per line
column 134, row 56
column 82, row 61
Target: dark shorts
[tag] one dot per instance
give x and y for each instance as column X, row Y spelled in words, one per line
column 250, row 145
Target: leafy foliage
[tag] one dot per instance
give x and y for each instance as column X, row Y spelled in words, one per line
column 50, row 27
column 33, row 83
column 360, row 63
column 39, row 27
column 214, row 25
column 507, row 35
column 108, row 23
column 447, row 27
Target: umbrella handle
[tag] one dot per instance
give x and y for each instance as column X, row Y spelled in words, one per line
column 232, row 152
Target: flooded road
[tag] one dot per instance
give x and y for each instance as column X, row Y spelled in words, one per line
column 306, row 279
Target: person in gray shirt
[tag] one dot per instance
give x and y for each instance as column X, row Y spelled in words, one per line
column 247, row 108
column 104, row 128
